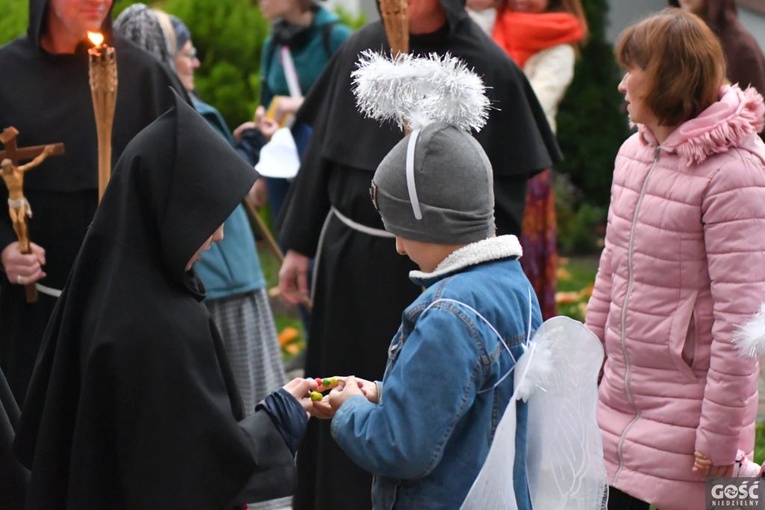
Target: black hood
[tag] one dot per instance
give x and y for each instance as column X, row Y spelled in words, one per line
column 182, row 191
column 38, row 11
column 455, row 12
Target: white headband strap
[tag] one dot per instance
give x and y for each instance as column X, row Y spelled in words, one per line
column 410, row 174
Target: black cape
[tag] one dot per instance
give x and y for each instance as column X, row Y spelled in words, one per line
column 132, row 403
column 13, row 476
column 361, row 284
column 47, row 98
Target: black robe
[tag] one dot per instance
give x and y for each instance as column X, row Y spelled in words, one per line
column 47, row 98
column 132, row 403
column 13, row 476
column 361, row 285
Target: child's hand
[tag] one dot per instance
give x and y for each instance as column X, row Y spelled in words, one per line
column 703, row 466
column 369, row 389
column 345, row 389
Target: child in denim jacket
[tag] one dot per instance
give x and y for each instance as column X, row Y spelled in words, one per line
column 425, row 430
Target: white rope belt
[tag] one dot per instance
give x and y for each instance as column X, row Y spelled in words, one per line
column 48, row 291
column 361, row 228
column 358, row 227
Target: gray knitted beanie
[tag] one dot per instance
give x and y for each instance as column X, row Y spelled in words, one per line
column 447, row 195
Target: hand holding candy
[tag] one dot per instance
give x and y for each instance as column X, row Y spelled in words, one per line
column 346, row 389
column 320, row 407
column 299, row 388
column 327, row 383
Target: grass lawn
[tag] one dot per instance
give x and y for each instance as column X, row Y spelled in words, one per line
column 287, row 318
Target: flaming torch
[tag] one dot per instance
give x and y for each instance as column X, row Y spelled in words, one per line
column 396, row 21
column 103, row 88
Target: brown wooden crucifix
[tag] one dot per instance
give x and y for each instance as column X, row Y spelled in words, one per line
column 13, row 175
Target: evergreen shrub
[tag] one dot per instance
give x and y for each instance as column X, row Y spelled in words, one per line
column 592, row 125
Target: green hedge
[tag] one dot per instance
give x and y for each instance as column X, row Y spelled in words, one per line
column 13, row 20
column 591, row 123
column 228, row 34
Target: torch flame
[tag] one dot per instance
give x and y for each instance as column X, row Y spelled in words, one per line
column 96, row 38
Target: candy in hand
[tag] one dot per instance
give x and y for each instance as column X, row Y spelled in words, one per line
column 327, row 382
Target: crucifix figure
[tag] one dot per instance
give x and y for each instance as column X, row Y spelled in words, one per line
column 13, row 175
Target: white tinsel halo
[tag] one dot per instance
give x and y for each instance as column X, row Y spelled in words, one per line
column 417, row 91
column 750, row 338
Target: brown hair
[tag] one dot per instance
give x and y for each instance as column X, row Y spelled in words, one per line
column 683, row 61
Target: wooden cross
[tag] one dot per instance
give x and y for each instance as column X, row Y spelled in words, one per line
column 12, row 174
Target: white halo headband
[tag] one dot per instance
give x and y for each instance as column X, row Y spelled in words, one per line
column 417, row 91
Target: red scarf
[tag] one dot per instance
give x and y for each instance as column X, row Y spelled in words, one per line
column 522, row 34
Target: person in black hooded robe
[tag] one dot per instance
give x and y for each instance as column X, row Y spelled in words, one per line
column 45, row 94
column 13, row 475
column 132, row 403
column 360, row 284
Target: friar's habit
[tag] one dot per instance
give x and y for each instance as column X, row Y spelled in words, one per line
column 13, row 476
column 361, row 284
column 47, row 98
column 132, row 403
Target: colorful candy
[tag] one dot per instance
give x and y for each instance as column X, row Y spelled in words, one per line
column 329, row 381
column 316, row 396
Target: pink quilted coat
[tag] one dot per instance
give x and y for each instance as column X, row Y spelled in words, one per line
column 683, row 268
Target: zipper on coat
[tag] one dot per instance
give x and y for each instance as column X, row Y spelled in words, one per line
column 623, row 325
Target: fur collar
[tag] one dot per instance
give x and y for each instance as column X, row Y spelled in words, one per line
column 494, row 248
column 727, row 123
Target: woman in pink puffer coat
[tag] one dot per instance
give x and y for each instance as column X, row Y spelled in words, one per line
column 682, row 270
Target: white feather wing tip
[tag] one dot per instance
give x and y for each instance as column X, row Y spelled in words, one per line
column 536, row 365
column 750, row 338
column 416, row 91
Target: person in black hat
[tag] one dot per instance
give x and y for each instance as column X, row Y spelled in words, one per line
column 45, row 95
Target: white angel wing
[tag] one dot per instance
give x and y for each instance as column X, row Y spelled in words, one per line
column 558, row 377
column 493, row 488
column 565, row 448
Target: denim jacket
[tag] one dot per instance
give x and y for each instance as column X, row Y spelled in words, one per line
column 447, row 382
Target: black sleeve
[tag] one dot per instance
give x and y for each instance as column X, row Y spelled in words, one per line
column 14, row 476
column 288, row 415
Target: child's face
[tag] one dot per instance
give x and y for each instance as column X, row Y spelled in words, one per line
column 530, row 6
column 426, row 255
column 214, row 238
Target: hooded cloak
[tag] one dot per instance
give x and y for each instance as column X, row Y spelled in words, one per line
column 516, row 137
column 132, row 404
column 47, row 98
column 14, row 476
